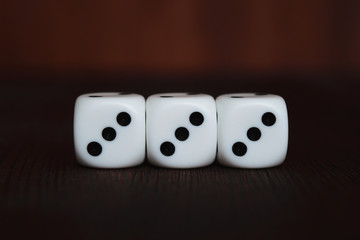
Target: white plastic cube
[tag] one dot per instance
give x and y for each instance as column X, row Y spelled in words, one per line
column 181, row 130
column 109, row 130
column 252, row 130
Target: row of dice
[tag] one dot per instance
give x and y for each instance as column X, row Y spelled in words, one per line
column 180, row 130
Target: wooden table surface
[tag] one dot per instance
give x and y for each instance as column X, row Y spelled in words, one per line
column 44, row 193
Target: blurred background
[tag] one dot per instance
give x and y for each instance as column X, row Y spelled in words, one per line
column 114, row 37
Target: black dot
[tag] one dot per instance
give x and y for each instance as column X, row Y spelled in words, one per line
column 236, row 97
column 239, row 149
column 94, row 149
column 196, row 118
column 123, row 119
column 109, row 133
column 254, row 134
column 124, row 93
column 94, row 96
column 167, row 148
column 166, row 96
column 268, row 119
column 182, row 134
column 260, row 93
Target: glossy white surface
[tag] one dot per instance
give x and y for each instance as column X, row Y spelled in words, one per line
column 237, row 115
column 93, row 114
column 165, row 114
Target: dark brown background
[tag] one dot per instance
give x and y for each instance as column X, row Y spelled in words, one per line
column 180, row 36
column 53, row 51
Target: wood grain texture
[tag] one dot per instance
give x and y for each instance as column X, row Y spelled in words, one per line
column 44, row 193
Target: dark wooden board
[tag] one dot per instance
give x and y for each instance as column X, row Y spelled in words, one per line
column 44, row 193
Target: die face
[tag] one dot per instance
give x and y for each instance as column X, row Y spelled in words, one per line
column 181, row 130
column 109, row 130
column 252, row 130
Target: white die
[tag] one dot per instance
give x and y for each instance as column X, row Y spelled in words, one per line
column 252, row 130
column 181, row 130
column 109, row 130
